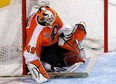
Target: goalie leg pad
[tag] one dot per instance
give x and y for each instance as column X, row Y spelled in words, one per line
column 80, row 32
column 37, row 71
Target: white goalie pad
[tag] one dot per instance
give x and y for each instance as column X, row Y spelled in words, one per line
column 36, row 75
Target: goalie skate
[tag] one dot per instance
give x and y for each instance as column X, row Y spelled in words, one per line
column 68, row 68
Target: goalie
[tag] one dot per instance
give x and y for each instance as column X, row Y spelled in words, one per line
column 50, row 41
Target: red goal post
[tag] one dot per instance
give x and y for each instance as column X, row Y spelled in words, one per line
column 106, row 25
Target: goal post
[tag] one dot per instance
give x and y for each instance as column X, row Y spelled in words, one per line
column 106, row 26
column 24, row 34
column 13, row 35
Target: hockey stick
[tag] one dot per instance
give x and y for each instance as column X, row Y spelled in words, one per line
column 68, row 75
column 91, row 64
column 56, row 75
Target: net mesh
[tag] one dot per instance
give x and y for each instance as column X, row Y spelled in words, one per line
column 11, row 38
column 89, row 11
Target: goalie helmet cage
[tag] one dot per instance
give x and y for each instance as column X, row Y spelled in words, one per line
column 13, row 35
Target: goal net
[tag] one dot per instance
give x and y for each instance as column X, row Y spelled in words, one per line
column 71, row 11
column 11, row 39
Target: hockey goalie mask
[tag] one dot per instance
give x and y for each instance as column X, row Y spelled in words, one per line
column 46, row 16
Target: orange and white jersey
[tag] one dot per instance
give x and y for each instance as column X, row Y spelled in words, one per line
column 38, row 36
